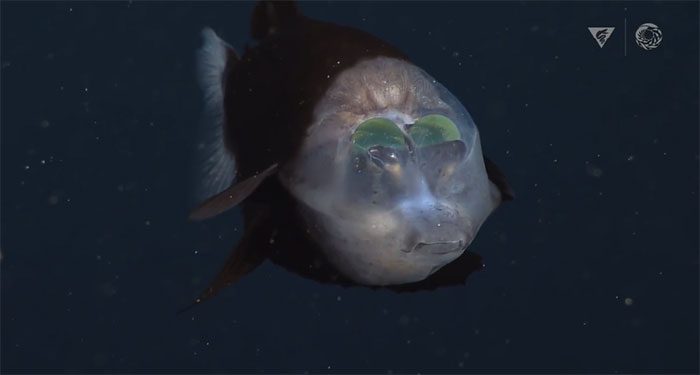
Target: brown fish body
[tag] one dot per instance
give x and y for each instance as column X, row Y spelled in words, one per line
column 269, row 100
column 287, row 73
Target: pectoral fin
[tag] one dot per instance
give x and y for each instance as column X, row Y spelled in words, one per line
column 232, row 196
column 499, row 179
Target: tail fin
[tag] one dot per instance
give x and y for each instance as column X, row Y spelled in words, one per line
column 270, row 16
column 215, row 163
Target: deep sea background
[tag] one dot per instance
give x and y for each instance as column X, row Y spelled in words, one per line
column 593, row 268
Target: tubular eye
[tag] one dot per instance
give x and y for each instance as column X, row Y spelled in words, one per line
column 380, row 141
column 378, row 132
column 433, row 129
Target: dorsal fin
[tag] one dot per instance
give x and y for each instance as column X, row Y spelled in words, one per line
column 216, row 166
column 270, row 16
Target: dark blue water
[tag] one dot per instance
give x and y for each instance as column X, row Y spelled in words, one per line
column 593, row 268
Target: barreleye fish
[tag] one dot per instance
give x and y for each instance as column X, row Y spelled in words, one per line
column 352, row 165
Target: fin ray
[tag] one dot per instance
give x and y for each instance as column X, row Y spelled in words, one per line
column 215, row 162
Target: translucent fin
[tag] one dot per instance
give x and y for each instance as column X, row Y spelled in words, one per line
column 216, row 167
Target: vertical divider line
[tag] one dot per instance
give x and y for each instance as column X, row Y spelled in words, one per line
column 625, row 35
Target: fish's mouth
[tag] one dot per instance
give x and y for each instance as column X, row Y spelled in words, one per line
column 439, row 247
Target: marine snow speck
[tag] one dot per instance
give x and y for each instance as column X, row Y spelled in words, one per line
column 352, row 165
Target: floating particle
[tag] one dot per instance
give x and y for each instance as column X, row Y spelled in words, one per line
column 108, row 289
column 53, row 199
column 594, row 171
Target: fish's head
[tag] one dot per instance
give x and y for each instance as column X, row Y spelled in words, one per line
column 391, row 178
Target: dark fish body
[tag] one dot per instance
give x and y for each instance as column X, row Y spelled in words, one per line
column 271, row 92
column 309, row 187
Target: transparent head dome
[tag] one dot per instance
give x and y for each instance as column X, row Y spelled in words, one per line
column 391, row 175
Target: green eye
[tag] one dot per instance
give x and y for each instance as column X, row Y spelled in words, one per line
column 433, row 129
column 378, row 132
